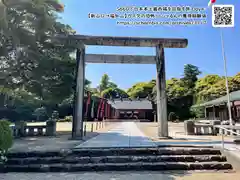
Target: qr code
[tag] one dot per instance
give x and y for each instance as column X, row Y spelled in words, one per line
column 223, row 16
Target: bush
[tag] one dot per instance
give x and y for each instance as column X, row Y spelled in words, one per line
column 6, row 138
column 66, row 119
column 197, row 111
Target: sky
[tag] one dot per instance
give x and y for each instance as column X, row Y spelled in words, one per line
column 203, row 50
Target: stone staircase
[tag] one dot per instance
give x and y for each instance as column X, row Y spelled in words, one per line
column 118, row 159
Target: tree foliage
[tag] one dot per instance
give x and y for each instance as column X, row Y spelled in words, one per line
column 30, row 59
column 36, row 69
column 6, row 137
column 113, row 93
column 190, row 75
column 105, row 83
column 214, row 86
column 142, row 89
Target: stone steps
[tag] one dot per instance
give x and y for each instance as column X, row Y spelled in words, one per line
column 36, row 154
column 136, row 166
column 146, row 151
column 120, row 152
column 116, row 159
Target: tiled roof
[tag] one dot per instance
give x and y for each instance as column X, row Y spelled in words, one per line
column 128, row 104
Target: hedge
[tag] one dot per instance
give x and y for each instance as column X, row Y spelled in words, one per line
column 6, row 136
column 66, row 119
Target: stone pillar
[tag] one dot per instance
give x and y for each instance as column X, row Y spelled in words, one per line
column 77, row 126
column 51, row 127
column 226, row 113
column 161, row 93
column 205, row 112
column 214, row 113
column 234, row 109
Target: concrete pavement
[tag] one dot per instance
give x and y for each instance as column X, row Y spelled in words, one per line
column 123, row 134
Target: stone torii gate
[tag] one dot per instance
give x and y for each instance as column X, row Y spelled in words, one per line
column 159, row 60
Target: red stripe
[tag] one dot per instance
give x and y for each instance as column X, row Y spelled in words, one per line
column 109, row 110
column 87, row 103
column 106, row 112
column 103, row 109
column 99, row 108
column 89, row 98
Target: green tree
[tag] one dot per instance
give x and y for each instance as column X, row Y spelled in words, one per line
column 22, row 23
column 211, row 87
column 95, row 92
column 205, row 87
column 190, row 75
column 87, row 83
column 31, row 60
column 236, row 78
column 19, row 105
column 104, row 83
column 112, row 85
column 113, row 93
column 142, row 89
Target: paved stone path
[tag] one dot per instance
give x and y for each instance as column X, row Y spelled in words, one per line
column 124, row 134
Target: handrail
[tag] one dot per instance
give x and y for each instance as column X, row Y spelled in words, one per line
column 228, row 130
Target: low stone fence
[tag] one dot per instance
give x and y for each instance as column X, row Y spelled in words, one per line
column 203, row 127
column 209, row 127
column 228, row 127
column 25, row 130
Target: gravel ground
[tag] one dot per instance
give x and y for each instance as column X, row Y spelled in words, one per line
column 61, row 141
column 121, row 176
column 176, row 130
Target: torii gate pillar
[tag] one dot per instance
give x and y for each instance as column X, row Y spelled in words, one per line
column 161, row 93
column 78, row 114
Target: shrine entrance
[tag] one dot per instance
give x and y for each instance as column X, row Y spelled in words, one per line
column 159, row 60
